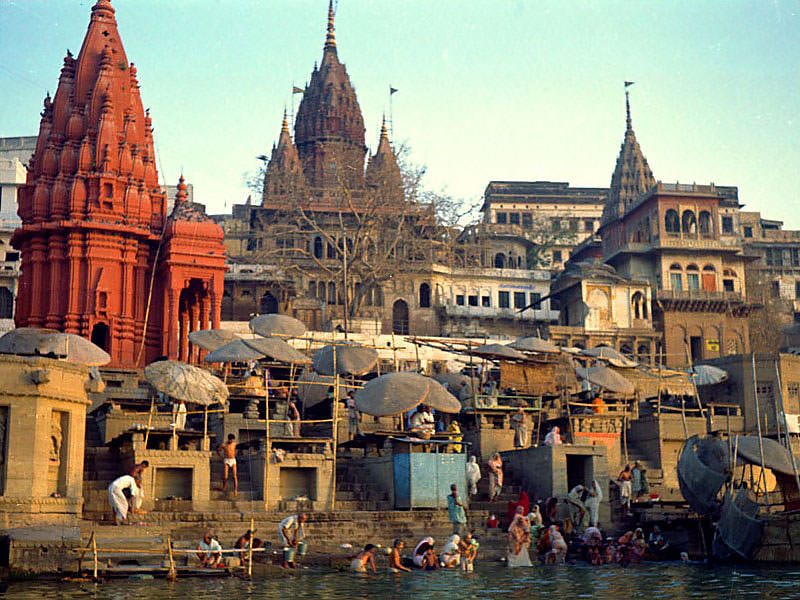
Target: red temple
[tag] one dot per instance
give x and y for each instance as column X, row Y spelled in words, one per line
column 100, row 256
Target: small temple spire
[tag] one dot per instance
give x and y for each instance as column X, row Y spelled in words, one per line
column 384, row 133
column 285, row 126
column 181, row 194
column 628, row 111
column 330, row 40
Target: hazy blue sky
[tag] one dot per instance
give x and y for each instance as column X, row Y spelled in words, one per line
column 515, row 89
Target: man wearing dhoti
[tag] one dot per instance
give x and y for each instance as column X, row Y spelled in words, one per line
column 117, row 499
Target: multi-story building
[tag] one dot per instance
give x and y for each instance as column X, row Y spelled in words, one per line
column 552, row 214
column 684, row 240
column 14, row 153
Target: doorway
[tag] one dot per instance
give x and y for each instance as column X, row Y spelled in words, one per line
column 100, row 336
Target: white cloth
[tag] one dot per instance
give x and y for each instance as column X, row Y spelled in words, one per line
column 180, row 416
column 116, row 497
column 535, row 517
column 357, row 566
column 473, row 475
column 553, row 438
column 290, row 524
column 625, row 488
column 593, row 503
column 423, row 421
column 230, row 462
column 523, row 559
column 450, row 550
column 417, row 558
column 210, row 548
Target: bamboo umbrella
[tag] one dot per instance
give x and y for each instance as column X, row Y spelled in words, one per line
column 211, row 339
column 280, row 325
column 29, row 341
column 344, row 359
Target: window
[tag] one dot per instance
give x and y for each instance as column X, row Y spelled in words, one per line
column 513, row 218
column 500, row 261
column 536, row 300
column 555, row 304
column 472, row 300
column 795, row 252
column 460, row 299
column 331, row 293
column 486, row 301
column 6, row 303
column 797, row 288
column 676, row 281
column 318, row 247
column 503, row 300
column 692, row 278
column 14, row 256
column 527, row 220
column 704, row 223
column 424, row 296
column 748, row 232
column 671, row 221
column 588, row 226
column 556, row 256
column 519, row 300
column 639, row 306
column 727, row 225
column 331, row 251
column 776, row 289
column 573, row 225
column 502, row 218
column 556, row 224
column 377, row 295
column 688, row 222
column 727, row 285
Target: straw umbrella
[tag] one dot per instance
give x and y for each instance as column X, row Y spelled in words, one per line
column 344, row 359
column 396, row 393
column 279, row 325
column 29, row 341
column 235, row 351
column 534, row 344
column 607, row 379
column 609, row 355
column 498, row 351
column 212, row 339
column 278, row 350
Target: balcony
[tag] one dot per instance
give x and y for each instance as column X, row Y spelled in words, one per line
column 493, row 312
column 701, row 243
column 703, row 301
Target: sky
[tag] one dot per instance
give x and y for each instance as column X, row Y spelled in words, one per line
column 526, row 90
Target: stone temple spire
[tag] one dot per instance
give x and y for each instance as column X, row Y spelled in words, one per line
column 284, row 174
column 632, row 175
column 330, row 39
column 383, row 172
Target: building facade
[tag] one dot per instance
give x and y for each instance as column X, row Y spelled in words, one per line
column 101, row 256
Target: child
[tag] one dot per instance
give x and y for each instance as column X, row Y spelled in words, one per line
column 359, row 562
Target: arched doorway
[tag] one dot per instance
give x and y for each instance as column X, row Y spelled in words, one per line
column 100, row 335
column 400, row 317
column 269, row 304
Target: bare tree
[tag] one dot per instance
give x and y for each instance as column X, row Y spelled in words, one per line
column 771, row 315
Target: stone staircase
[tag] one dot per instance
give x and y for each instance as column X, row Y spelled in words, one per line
column 354, row 492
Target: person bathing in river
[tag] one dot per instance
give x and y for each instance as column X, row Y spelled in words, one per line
column 519, row 537
column 395, row 560
column 450, row 557
column 535, row 517
column 592, row 503
column 244, row 542
column 577, row 510
column 209, row 551
column 291, row 531
column 359, row 562
column 468, row 548
column 657, row 542
column 424, row 556
column 523, row 501
column 639, row 545
column 558, row 547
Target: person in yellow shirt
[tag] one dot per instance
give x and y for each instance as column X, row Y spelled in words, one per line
column 454, row 429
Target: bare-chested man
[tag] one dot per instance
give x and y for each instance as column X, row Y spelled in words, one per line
column 229, row 459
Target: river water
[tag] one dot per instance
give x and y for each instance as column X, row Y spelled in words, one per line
column 651, row 581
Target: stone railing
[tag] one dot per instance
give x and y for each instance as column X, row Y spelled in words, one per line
column 702, row 295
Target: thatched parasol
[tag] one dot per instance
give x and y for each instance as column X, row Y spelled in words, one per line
column 776, row 456
column 707, row 374
column 235, row 351
column 312, row 388
column 280, row 325
column 396, row 393
column 498, row 352
column 610, row 355
column 186, row 382
column 455, row 381
column 534, row 344
column 606, row 379
column 278, row 350
column 212, row 339
column 29, row 341
column 350, row 359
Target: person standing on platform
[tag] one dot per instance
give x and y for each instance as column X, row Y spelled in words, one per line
column 353, row 416
column 229, row 460
column 495, row 476
column 473, row 476
column 179, row 415
column 519, row 424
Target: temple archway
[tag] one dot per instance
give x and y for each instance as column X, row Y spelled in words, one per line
column 400, row 317
column 100, row 335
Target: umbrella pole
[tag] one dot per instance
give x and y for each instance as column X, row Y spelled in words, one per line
column 205, row 425
column 149, row 420
column 335, row 432
column 266, row 444
column 762, row 476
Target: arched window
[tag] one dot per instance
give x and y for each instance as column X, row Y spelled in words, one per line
column 331, row 293
column 319, row 247
column 269, row 304
column 400, row 317
column 500, row 261
column 688, row 222
column 692, row 277
column 671, row 221
column 728, row 280
column 704, row 223
column 643, row 353
column 424, row 296
column 6, row 303
column 709, row 278
column 639, row 303
column 675, row 277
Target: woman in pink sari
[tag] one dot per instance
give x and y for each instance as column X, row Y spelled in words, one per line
column 495, row 475
column 519, row 538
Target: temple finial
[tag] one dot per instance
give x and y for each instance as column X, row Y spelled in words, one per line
column 384, row 133
column 285, row 126
column 330, row 40
column 628, row 105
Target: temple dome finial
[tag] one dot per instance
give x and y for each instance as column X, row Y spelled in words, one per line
column 628, row 110
column 285, row 126
column 181, row 195
column 330, row 40
column 384, row 133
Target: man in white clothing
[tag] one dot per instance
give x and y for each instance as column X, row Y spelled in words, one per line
column 209, row 551
column 117, row 499
column 291, row 532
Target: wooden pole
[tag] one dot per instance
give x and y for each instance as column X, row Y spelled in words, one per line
column 335, row 433
column 266, row 444
column 250, row 552
column 660, row 366
column 624, row 428
column 786, row 432
column 149, row 420
column 94, row 555
column 762, row 476
column 172, row 574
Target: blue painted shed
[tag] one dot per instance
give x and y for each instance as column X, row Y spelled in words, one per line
column 423, row 479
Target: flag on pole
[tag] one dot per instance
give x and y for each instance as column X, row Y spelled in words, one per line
column 392, row 90
column 297, row 90
column 629, row 83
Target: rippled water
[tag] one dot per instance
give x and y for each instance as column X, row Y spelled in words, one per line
column 652, row 581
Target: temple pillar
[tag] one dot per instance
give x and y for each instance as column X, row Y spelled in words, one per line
column 171, row 333
column 55, row 256
column 194, row 315
column 183, row 329
column 39, row 295
column 73, row 309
